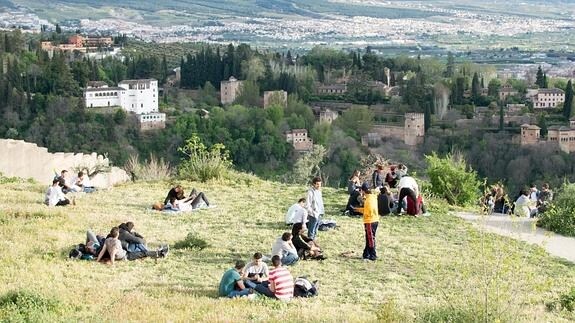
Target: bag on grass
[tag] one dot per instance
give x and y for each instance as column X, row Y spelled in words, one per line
column 304, row 288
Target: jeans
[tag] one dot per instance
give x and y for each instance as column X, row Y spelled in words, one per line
column 239, row 293
column 261, row 288
column 136, row 247
column 289, row 258
column 89, row 189
column 312, row 226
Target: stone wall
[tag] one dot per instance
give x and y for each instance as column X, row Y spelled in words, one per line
column 26, row 160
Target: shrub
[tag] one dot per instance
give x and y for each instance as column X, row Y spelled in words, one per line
column 150, row 170
column 567, row 301
column 202, row 163
column 7, row 180
column 452, row 179
column 560, row 216
column 25, row 306
column 192, row 241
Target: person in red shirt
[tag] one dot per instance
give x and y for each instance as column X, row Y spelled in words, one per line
column 281, row 281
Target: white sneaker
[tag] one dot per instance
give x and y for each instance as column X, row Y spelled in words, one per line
column 252, row 297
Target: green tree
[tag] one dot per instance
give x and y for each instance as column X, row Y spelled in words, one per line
column 58, row 29
column 356, row 121
column 568, row 105
column 540, row 78
column 452, row 179
column 249, row 94
column 450, row 66
column 475, row 88
column 493, row 88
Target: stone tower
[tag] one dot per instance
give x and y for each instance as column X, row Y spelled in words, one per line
column 413, row 129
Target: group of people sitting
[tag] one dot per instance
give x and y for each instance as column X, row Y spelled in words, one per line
column 278, row 283
column 63, row 184
column 408, row 197
column 120, row 244
column 530, row 202
column 177, row 201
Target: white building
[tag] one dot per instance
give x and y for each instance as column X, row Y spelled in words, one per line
column 548, row 98
column 137, row 96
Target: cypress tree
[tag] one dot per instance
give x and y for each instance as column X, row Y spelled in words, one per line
column 568, row 105
column 539, row 79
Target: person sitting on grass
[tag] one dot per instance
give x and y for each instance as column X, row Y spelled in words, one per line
column 281, row 280
column 256, row 275
column 112, row 248
column 354, row 202
column 231, row 284
column 385, row 203
column 297, row 213
column 84, row 183
column 131, row 240
column 55, row 196
column 306, row 247
column 175, row 192
column 284, row 248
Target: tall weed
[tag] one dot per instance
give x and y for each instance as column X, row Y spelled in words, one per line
column 452, row 179
column 153, row 169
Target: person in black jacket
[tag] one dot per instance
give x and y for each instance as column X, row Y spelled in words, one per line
column 305, row 246
column 355, row 201
column 176, row 192
column 385, row 201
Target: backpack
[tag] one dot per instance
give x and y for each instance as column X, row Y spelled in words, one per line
column 304, row 288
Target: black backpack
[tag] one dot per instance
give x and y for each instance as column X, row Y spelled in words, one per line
column 304, row 288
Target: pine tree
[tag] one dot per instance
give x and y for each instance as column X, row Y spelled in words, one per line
column 58, row 29
column 568, row 105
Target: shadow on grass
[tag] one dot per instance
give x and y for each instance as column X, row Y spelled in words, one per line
column 273, row 225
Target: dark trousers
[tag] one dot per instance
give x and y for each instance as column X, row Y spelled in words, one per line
column 200, row 197
column 63, row 202
column 370, row 231
column 141, row 254
column 410, row 195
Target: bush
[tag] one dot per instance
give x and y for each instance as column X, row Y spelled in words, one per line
column 202, row 163
column 452, row 179
column 25, row 306
column 560, row 216
column 192, row 241
column 153, row 170
column 567, row 301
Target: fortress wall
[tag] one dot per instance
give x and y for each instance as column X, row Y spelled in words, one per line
column 389, row 131
column 26, row 160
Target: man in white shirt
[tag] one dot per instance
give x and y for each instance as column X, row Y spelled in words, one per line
column 314, row 205
column 409, row 188
column 54, row 195
column 284, row 248
column 297, row 213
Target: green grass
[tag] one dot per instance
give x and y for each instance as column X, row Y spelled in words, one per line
column 430, row 269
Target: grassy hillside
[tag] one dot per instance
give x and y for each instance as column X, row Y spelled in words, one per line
column 429, row 268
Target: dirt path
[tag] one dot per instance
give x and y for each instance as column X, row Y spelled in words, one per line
column 525, row 230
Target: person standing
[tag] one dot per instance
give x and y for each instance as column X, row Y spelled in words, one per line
column 314, row 205
column 370, row 222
